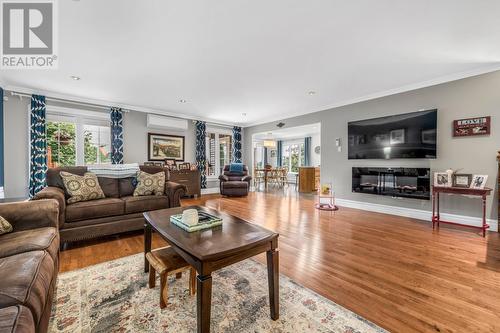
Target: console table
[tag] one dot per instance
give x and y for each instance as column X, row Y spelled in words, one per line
column 436, row 190
column 189, row 178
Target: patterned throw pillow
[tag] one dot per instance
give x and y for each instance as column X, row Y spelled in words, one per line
column 82, row 188
column 148, row 184
column 5, row 226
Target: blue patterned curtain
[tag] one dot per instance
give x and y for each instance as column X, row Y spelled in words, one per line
column 236, row 144
column 307, row 151
column 279, row 153
column 38, row 145
column 116, row 136
column 201, row 159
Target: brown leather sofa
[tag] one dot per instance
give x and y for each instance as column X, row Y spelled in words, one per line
column 234, row 184
column 29, row 262
column 119, row 212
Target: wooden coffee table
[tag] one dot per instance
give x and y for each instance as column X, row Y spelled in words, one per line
column 212, row 249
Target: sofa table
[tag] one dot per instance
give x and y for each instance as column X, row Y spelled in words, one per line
column 436, row 190
column 212, row 249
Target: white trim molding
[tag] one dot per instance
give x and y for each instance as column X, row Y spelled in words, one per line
column 418, row 214
column 210, row 190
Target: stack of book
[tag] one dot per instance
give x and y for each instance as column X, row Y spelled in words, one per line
column 205, row 221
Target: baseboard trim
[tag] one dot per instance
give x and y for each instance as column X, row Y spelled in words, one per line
column 418, row 214
column 211, row 190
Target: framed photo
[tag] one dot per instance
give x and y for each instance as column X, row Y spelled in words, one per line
column 442, row 179
column 462, row 180
column 478, row 181
column 185, row 166
column 397, row 136
column 169, row 162
column 162, row 147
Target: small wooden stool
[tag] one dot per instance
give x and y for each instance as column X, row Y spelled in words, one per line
column 166, row 261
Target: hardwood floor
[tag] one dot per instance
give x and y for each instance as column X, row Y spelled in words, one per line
column 394, row 271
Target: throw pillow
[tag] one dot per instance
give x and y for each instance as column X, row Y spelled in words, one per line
column 82, row 188
column 5, row 226
column 149, row 184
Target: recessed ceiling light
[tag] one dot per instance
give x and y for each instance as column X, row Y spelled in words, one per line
column 76, row 78
column 182, row 101
column 312, row 92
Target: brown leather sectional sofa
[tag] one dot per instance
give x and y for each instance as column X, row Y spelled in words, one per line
column 29, row 262
column 120, row 211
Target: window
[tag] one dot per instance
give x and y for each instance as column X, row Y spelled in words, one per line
column 61, row 143
column 77, row 137
column 218, row 147
column 293, row 156
column 97, row 144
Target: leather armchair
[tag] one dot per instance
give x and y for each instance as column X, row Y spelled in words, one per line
column 234, row 183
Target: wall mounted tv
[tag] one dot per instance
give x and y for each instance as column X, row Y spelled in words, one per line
column 408, row 135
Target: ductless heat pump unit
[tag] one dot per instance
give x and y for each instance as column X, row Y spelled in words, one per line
column 162, row 122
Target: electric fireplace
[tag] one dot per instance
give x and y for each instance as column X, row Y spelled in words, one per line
column 395, row 182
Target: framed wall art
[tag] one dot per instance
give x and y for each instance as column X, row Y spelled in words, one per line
column 162, row 147
column 472, row 126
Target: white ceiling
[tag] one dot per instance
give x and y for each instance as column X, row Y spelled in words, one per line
column 262, row 57
column 289, row 132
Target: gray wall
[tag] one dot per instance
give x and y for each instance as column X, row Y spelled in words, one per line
column 16, row 138
column 475, row 96
column 135, row 138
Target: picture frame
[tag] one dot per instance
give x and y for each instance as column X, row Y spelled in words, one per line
column 184, row 166
column 442, row 179
column 479, row 182
column 472, row 126
column 397, row 136
column 169, row 162
column 164, row 146
column 462, row 180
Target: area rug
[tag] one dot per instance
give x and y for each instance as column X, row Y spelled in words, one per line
column 114, row 297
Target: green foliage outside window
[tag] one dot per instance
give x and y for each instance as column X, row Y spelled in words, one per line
column 61, row 142
column 61, row 138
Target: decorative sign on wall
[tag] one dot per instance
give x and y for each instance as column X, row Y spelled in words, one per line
column 472, row 126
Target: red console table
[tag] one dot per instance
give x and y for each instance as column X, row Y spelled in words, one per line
column 436, row 190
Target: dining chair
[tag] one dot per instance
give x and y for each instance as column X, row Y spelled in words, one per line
column 258, row 178
column 283, row 174
column 273, row 177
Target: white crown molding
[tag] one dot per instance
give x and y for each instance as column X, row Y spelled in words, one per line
column 406, row 88
column 415, row 213
column 99, row 102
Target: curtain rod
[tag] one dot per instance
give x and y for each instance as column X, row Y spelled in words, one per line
column 107, row 107
column 215, row 124
column 62, row 100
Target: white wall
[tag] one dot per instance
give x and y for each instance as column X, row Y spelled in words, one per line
column 315, row 141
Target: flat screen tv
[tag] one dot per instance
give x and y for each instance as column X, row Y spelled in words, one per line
column 408, row 135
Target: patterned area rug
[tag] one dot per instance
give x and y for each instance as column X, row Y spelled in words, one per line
column 114, row 297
